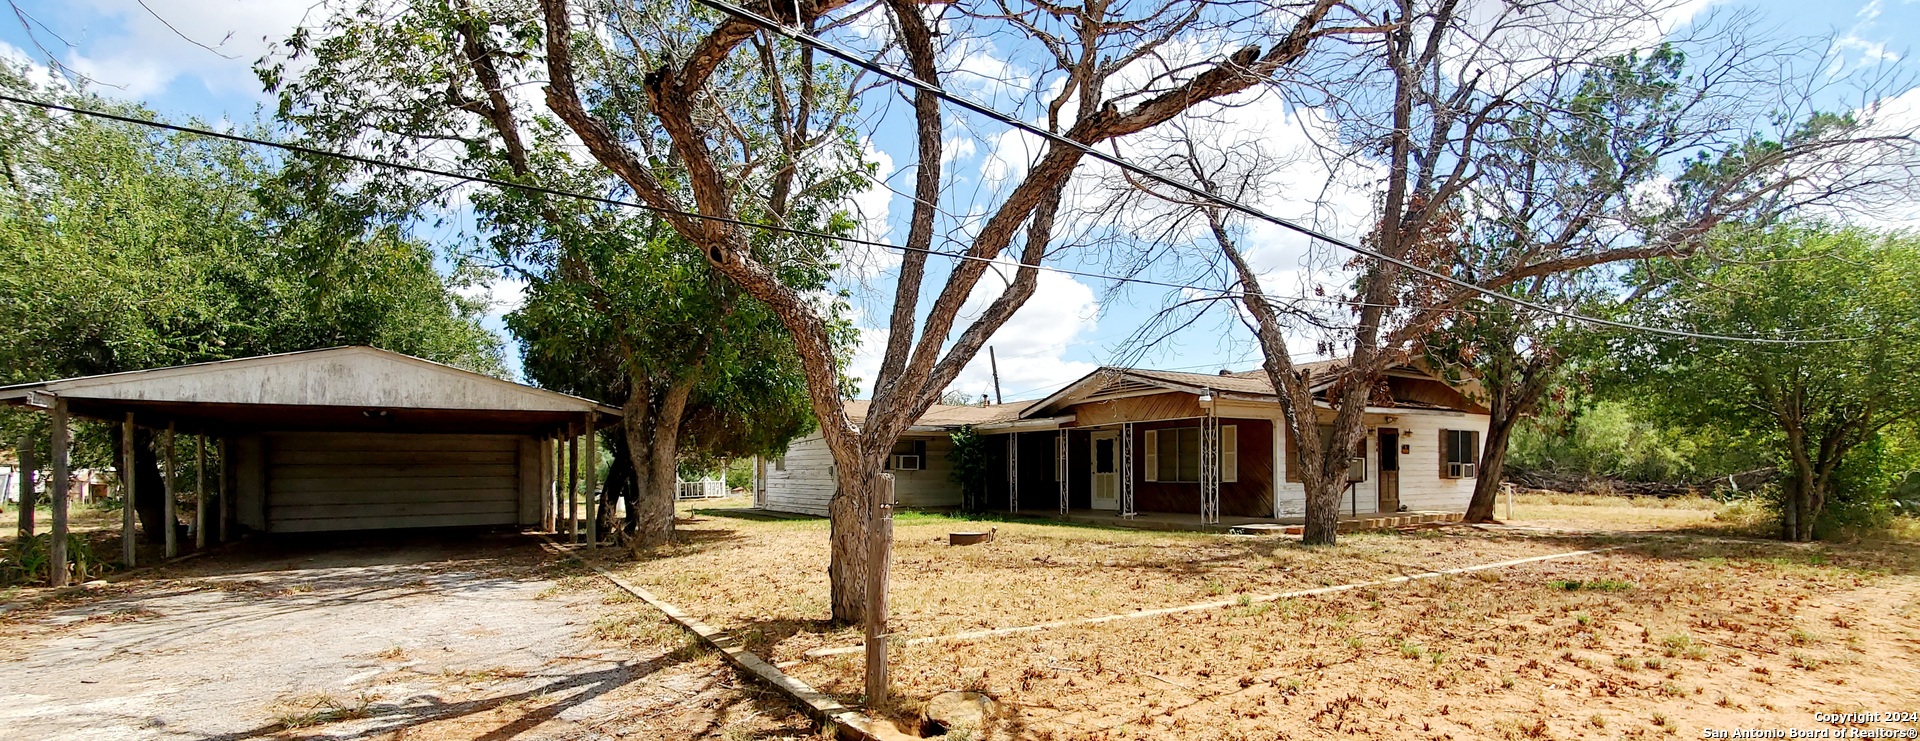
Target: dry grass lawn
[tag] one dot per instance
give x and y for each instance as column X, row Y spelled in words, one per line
column 1685, row 627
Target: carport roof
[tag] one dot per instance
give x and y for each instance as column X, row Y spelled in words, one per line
column 341, row 388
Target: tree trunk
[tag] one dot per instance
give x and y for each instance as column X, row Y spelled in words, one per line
column 850, row 511
column 1493, row 456
column 1323, row 510
column 149, row 489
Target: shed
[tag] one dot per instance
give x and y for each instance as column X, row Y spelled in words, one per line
column 347, row 438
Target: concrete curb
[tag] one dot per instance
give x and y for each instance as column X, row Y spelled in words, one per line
column 845, row 722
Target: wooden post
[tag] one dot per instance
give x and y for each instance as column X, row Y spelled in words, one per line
column 593, row 461
column 129, row 546
column 200, row 491
column 573, row 486
column 1509, row 502
column 879, row 553
column 57, row 550
column 226, row 493
column 166, row 493
column 28, row 466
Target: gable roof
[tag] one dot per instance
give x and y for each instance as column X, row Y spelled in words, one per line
column 946, row 416
column 1249, row 384
column 352, row 376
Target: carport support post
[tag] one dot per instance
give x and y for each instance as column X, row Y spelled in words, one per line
column 879, row 552
column 200, row 491
column 57, row 550
column 573, row 485
column 28, row 469
column 128, row 546
column 166, row 502
column 226, row 499
column 593, row 461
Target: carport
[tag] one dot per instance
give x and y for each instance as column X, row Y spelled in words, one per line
column 347, row 438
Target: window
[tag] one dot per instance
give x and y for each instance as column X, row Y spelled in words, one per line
column 780, row 463
column 908, row 455
column 1459, row 454
column 1103, row 455
column 1173, row 455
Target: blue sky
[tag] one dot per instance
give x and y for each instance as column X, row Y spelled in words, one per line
column 1070, row 327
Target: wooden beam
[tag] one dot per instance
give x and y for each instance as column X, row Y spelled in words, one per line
column 28, row 465
column 200, row 492
column 880, row 551
column 166, row 503
column 129, row 545
column 593, row 466
column 57, row 550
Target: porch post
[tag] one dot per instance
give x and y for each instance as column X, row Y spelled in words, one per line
column 1126, row 468
column 166, row 488
column 1209, row 469
column 127, row 543
column 1013, row 472
column 1066, row 471
column 57, row 550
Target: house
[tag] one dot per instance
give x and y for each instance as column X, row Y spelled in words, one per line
column 1130, row 441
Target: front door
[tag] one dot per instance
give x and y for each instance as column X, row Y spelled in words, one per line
column 1389, row 469
column 1106, row 470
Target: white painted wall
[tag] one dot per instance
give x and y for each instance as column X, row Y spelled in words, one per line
column 807, row 484
column 1421, row 487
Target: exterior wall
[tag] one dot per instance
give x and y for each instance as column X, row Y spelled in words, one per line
column 1421, row 487
column 1249, row 495
column 807, row 484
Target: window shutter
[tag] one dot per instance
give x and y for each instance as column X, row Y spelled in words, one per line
column 1446, row 452
column 1473, row 448
column 1229, row 453
column 1293, row 453
column 1153, row 455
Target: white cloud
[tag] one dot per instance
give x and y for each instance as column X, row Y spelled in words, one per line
column 141, row 56
column 501, row 294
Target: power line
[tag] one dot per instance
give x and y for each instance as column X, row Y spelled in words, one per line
column 1117, row 161
column 604, row 200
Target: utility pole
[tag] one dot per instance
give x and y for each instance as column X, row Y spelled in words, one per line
column 994, row 363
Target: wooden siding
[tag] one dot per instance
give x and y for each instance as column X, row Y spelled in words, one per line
column 807, row 485
column 804, row 483
column 1421, row 487
column 1251, row 495
column 1170, row 405
column 350, row 481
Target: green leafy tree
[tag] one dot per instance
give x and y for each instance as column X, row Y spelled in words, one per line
column 122, row 249
column 619, row 306
column 1827, row 410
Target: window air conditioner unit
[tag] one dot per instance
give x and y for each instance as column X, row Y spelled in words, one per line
column 1461, row 470
column 906, row 463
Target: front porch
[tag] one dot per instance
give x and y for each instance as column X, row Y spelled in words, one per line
column 1179, row 521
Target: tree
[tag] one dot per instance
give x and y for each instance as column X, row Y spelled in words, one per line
column 619, row 307
column 1822, row 407
column 1517, row 171
column 709, row 80
column 123, row 249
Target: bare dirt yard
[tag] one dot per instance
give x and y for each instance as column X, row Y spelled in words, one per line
column 385, row 636
column 1680, row 625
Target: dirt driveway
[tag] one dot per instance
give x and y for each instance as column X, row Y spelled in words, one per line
column 384, row 636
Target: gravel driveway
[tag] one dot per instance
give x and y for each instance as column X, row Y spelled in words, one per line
column 374, row 636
